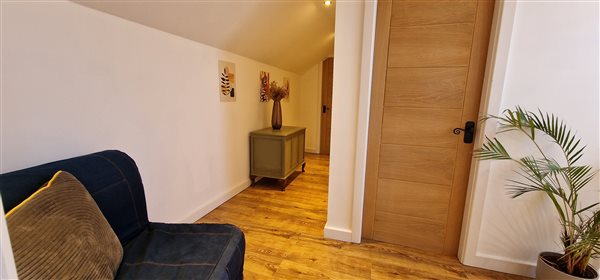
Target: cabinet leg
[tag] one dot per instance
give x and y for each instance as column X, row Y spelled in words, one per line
column 303, row 166
column 252, row 180
column 282, row 183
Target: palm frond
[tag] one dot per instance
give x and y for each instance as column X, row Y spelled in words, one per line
column 560, row 133
column 578, row 176
column 492, row 149
column 587, row 208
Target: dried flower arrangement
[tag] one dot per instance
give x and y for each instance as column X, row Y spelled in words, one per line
column 276, row 93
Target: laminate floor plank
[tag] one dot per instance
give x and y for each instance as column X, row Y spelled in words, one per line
column 284, row 237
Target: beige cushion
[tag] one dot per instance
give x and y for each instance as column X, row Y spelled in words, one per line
column 59, row 233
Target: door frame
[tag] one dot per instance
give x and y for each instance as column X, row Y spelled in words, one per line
column 474, row 88
column 380, row 59
column 321, row 94
column 364, row 111
column 318, row 107
column 491, row 103
column 491, row 98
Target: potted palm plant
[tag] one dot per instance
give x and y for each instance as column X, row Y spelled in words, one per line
column 561, row 179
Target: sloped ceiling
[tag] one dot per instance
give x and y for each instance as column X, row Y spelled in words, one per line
column 292, row 35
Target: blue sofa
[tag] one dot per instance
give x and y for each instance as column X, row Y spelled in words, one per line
column 150, row 250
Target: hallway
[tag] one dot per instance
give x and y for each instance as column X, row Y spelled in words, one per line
column 284, row 237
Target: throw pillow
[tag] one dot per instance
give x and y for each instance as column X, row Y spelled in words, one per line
column 60, row 233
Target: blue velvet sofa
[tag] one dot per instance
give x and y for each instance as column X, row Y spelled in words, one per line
column 150, row 250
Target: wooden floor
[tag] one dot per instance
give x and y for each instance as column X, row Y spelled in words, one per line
column 284, row 237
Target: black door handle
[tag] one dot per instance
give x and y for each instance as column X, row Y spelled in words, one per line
column 469, row 132
column 324, row 109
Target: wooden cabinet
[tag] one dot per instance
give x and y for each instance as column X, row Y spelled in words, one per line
column 276, row 153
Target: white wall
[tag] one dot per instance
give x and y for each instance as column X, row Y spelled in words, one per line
column 309, row 106
column 354, row 31
column 346, row 86
column 551, row 63
column 76, row 81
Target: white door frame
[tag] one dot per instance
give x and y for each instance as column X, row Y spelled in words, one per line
column 491, row 101
column 362, row 130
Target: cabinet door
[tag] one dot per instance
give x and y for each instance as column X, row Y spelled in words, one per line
column 300, row 148
column 266, row 157
column 294, row 157
column 288, row 156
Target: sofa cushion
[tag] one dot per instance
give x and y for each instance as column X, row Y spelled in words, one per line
column 111, row 177
column 184, row 251
column 59, row 233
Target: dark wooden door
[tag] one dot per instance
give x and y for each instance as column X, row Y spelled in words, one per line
column 326, row 93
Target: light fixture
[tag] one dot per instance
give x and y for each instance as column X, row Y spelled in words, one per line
column 328, row 2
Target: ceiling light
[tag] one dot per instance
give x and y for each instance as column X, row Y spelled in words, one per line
column 328, row 2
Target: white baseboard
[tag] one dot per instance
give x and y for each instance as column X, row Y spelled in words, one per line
column 312, row 151
column 211, row 205
column 341, row 234
column 501, row 264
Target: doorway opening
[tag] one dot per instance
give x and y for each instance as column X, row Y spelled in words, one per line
column 431, row 66
column 326, row 104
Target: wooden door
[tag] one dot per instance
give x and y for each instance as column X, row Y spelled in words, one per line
column 326, row 92
column 427, row 80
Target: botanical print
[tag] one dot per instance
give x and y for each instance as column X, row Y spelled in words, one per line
column 227, row 81
column 286, row 85
column 264, row 86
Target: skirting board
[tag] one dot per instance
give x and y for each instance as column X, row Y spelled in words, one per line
column 311, row 151
column 211, row 205
column 501, row 264
column 341, row 234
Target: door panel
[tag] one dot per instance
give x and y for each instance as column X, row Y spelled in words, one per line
column 427, row 79
column 428, row 234
column 417, row 164
column 430, row 45
column 407, row 13
column 442, row 87
column 429, row 125
column 409, row 199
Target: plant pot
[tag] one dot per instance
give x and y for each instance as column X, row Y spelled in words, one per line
column 276, row 119
column 546, row 270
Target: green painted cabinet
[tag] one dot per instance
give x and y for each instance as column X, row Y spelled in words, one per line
column 276, row 153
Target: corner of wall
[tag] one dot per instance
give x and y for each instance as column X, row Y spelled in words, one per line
column 336, row 233
column 211, row 205
column 346, row 91
column 362, row 126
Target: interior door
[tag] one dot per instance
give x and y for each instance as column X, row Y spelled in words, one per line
column 326, row 93
column 427, row 80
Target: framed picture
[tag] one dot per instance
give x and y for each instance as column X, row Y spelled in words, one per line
column 227, row 90
column 286, row 84
column 264, row 86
